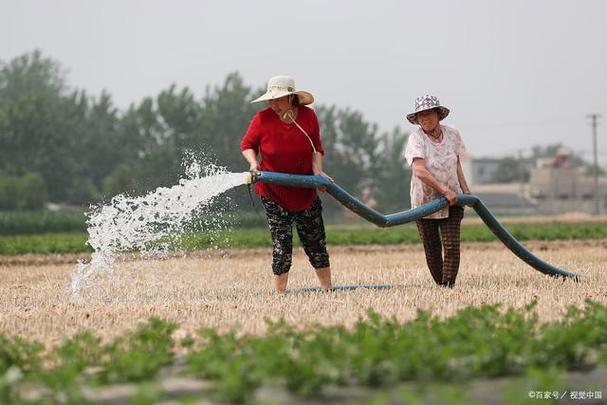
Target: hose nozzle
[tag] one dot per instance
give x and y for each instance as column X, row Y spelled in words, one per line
column 251, row 177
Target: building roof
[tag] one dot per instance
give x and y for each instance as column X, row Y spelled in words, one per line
column 505, row 201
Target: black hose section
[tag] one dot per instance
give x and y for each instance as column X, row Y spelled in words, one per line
column 399, row 218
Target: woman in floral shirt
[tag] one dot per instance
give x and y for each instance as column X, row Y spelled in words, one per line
column 434, row 152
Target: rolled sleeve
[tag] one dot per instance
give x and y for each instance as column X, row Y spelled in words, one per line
column 460, row 147
column 415, row 148
column 252, row 137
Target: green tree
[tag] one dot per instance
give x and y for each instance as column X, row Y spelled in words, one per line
column 147, row 146
column 27, row 192
column 394, row 177
column 36, row 122
column 99, row 148
column 9, row 190
column 82, row 148
column 225, row 116
column 32, row 192
column 181, row 114
column 121, row 179
column 352, row 152
column 30, row 73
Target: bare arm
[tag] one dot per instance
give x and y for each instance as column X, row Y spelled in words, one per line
column 462, row 179
column 317, row 164
column 420, row 170
column 317, row 168
column 251, row 157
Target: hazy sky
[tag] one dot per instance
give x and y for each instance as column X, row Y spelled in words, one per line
column 515, row 73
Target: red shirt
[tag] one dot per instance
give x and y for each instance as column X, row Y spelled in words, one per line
column 284, row 148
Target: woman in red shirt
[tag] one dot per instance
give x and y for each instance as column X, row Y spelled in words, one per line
column 286, row 136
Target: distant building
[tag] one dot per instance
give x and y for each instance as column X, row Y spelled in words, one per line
column 506, row 198
column 482, row 170
column 500, row 198
column 558, row 186
column 479, row 170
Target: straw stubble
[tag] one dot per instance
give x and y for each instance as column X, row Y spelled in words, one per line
column 233, row 289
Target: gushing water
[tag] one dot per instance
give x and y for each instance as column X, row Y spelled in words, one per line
column 148, row 223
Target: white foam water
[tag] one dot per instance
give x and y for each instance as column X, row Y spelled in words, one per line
column 148, row 224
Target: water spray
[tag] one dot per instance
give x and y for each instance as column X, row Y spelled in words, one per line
column 148, row 224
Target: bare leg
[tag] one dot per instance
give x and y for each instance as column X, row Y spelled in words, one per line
column 324, row 276
column 280, row 281
column 311, row 231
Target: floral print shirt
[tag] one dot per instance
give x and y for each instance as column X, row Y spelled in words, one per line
column 440, row 159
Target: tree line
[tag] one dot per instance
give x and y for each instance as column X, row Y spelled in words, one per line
column 63, row 145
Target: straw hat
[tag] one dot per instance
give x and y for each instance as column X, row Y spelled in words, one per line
column 427, row 102
column 280, row 86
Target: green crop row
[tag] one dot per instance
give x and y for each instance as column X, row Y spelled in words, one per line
column 74, row 220
column 58, row 374
column 258, row 237
column 377, row 352
column 52, row 243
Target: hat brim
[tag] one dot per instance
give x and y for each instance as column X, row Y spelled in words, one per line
column 305, row 97
column 442, row 114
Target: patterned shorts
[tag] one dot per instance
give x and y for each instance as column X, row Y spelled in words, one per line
column 311, row 231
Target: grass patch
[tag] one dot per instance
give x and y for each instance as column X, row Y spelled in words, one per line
column 260, row 237
column 407, row 234
column 51, row 243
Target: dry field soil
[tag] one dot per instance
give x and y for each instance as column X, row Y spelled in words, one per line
column 232, row 289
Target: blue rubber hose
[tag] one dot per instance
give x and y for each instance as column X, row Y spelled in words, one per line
column 403, row 217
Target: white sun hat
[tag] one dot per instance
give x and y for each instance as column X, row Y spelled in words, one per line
column 427, row 102
column 280, row 86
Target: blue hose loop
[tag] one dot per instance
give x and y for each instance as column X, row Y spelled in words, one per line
column 403, row 217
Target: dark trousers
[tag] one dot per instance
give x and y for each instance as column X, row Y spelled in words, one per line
column 443, row 268
column 311, row 231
